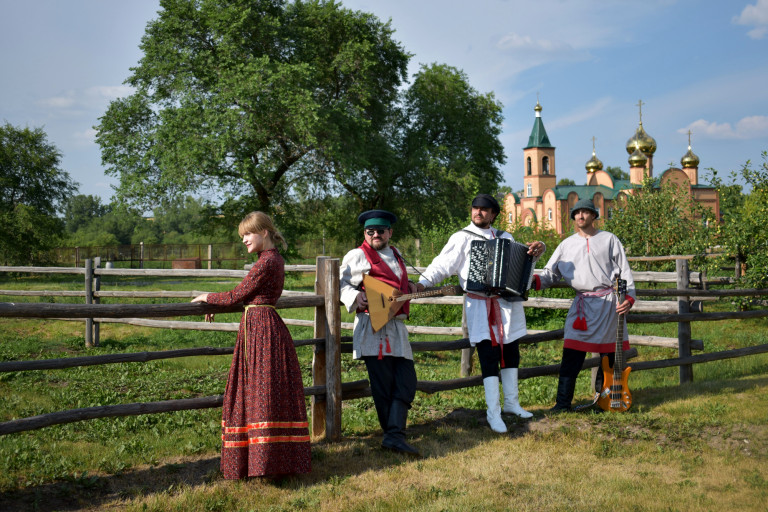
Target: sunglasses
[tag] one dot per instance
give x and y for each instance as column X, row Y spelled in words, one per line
column 378, row 231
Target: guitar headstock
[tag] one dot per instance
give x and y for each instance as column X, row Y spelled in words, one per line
column 620, row 288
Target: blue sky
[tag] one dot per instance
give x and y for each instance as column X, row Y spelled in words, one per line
column 698, row 65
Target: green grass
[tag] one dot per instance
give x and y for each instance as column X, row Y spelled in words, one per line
column 697, row 445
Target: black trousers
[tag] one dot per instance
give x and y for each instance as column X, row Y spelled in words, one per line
column 392, row 378
column 490, row 357
column 573, row 360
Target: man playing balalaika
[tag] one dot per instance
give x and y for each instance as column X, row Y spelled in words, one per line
column 589, row 261
column 386, row 350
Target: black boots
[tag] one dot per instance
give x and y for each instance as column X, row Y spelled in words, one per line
column 565, row 389
column 394, row 433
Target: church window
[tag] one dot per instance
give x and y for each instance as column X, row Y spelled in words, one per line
column 545, row 164
column 529, row 166
column 529, row 190
column 549, row 214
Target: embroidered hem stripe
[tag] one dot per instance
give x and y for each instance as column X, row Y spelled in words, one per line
column 265, row 440
column 264, row 425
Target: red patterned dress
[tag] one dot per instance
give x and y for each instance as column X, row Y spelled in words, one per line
column 264, row 419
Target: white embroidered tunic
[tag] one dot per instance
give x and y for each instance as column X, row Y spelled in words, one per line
column 365, row 342
column 589, row 265
column 454, row 260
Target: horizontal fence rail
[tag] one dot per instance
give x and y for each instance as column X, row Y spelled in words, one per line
column 327, row 391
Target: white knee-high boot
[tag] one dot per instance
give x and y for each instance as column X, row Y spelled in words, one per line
column 491, row 385
column 509, row 384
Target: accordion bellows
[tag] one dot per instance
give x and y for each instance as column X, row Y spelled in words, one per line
column 500, row 267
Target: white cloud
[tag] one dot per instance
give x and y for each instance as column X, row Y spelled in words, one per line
column 58, row 102
column 754, row 15
column 96, row 97
column 110, row 92
column 518, row 53
column 752, row 127
column 87, row 136
column 591, row 111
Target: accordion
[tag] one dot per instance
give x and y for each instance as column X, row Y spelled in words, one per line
column 500, row 267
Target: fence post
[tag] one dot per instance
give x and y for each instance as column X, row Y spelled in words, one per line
column 89, row 300
column 332, row 351
column 210, row 256
column 466, row 353
column 96, row 300
column 683, row 328
column 141, row 255
column 318, row 356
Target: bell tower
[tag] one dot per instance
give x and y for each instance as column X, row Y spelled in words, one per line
column 538, row 160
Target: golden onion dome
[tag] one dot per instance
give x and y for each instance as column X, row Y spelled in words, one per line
column 689, row 160
column 637, row 158
column 641, row 140
column 594, row 164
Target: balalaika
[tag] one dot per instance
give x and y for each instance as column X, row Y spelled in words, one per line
column 500, row 267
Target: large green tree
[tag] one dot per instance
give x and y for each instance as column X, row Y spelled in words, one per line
column 293, row 106
column 33, row 190
column 243, row 98
column 451, row 145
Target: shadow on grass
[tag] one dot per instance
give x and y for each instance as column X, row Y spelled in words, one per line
column 460, row 430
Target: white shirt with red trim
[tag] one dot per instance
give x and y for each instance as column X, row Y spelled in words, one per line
column 454, row 260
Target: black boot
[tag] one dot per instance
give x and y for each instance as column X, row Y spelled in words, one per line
column 565, row 389
column 394, row 434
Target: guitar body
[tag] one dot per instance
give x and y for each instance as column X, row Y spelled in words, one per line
column 615, row 395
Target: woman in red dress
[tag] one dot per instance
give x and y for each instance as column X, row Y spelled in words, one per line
column 264, row 418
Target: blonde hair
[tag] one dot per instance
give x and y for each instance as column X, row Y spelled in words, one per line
column 256, row 222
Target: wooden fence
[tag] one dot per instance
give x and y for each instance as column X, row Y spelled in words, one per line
column 327, row 390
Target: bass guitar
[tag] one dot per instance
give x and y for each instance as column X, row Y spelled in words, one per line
column 615, row 395
column 384, row 301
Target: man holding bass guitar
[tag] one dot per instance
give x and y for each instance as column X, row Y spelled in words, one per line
column 385, row 350
column 588, row 261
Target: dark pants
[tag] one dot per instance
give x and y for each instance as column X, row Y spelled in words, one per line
column 490, row 357
column 392, row 378
column 573, row 360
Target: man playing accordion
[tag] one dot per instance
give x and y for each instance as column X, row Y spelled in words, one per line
column 494, row 323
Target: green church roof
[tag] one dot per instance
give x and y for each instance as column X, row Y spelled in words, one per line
column 538, row 138
column 588, row 191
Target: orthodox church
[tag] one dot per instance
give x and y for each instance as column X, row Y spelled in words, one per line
column 543, row 200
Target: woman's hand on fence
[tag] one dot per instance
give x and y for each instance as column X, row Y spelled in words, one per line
column 209, row 317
